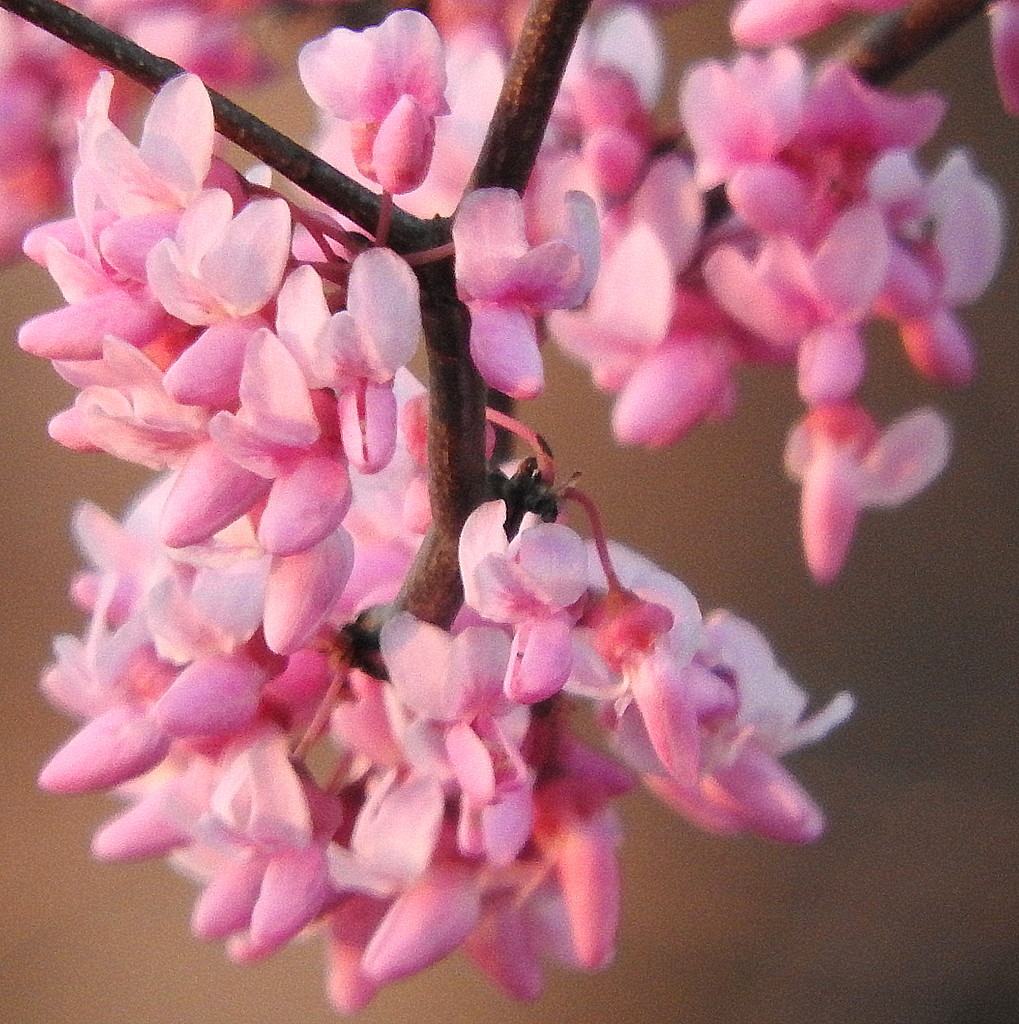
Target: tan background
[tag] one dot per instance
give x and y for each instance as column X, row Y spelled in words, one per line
column 907, row 909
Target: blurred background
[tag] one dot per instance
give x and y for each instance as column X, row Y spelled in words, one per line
column 905, row 911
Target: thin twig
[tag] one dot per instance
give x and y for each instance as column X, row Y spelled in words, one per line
column 890, row 45
column 525, row 103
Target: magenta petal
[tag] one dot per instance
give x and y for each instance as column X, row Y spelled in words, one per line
column 119, row 745
column 425, row 924
column 210, row 492
column 210, row 697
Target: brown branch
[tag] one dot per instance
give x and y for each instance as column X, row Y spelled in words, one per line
column 294, row 162
column 456, row 427
column 456, row 448
column 531, row 86
column 890, row 45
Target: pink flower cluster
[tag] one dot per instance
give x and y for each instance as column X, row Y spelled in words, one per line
column 43, row 85
column 456, row 808
column 277, row 724
column 312, row 757
column 833, row 224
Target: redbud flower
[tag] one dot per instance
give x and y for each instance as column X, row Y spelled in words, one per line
column 845, row 464
column 388, row 80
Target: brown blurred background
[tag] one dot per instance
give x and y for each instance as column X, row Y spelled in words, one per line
column 905, row 911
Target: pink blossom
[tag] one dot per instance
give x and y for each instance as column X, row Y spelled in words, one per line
column 811, row 304
column 845, row 465
column 742, row 785
column 167, row 169
column 220, row 266
column 747, row 113
column 529, row 582
column 757, row 23
column 389, row 81
column 506, row 281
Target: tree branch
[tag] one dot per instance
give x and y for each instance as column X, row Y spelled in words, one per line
column 890, row 45
column 531, row 86
column 457, row 473
column 294, row 162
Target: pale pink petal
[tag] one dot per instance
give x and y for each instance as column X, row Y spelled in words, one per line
column 426, row 923
column 489, row 235
column 850, row 266
column 770, row 197
column 471, row 763
column 178, row 135
column 261, row 800
column 295, row 889
column 210, row 492
column 208, row 371
column 670, row 393
column 245, row 269
column 540, row 660
column 969, row 229
column 143, row 830
column 305, row 504
column 502, row 947
column 585, row 858
column 940, row 348
column 368, row 419
column 757, row 23
column 120, row 744
column 402, row 150
column 767, row 799
column 907, row 457
column 351, row 927
column 383, row 299
column 418, row 656
column 483, row 534
column 830, row 364
column 302, row 590
column 830, row 505
column 212, row 696
column 504, row 347
column 274, row 396
column 226, row 903
column 396, row 830
column 670, row 201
